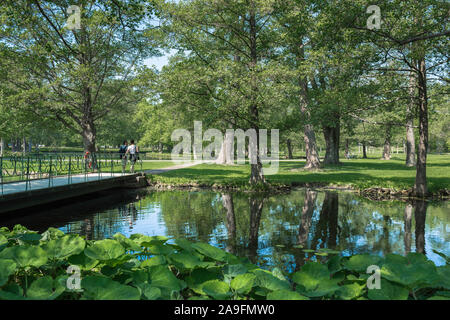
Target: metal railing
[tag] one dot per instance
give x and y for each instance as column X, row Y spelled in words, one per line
column 18, row 168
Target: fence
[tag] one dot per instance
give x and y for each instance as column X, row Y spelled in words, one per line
column 41, row 166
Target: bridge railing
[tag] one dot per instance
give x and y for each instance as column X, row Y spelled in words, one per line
column 17, row 168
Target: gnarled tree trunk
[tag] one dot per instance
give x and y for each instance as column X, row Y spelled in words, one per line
column 332, row 136
column 89, row 136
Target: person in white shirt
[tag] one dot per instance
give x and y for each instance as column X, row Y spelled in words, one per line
column 133, row 150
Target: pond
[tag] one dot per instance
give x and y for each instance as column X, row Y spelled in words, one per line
column 272, row 231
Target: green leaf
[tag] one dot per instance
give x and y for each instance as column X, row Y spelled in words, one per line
column 158, row 248
column 6, row 295
column 210, row 251
column 444, row 277
column 3, row 241
column 128, row 244
column 410, row 275
column 162, row 277
column 279, row 274
column 388, row 291
column 102, row 288
column 64, row 247
column 315, row 278
column 334, row 264
column 233, row 270
column 285, row 295
column 198, row 277
column 265, row 279
column 361, row 262
column 151, row 293
column 105, row 250
column 83, row 261
column 186, row 260
column 25, row 256
column 7, row 268
column 154, row 261
column 243, row 283
column 45, row 288
column 350, row 291
column 51, row 234
column 217, row 289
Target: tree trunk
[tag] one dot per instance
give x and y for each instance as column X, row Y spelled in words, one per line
column 306, row 219
column 410, row 141
column 24, row 145
column 226, row 155
column 347, row 148
column 364, row 147
column 332, row 136
column 420, row 187
column 420, row 213
column 408, row 218
column 289, row 147
column 326, row 227
column 312, row 157
column 387, row 144
column 256, row 206
column 227, row 200
column 2, row 146
column 256, row 175
column 89, row 136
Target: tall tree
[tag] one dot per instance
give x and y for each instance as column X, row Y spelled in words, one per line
column 84, row 72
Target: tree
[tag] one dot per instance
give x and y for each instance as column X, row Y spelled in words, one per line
column 231, row 42
column 412, row 32
column 83, row 74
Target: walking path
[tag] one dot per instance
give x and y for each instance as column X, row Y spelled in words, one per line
column 180, row 166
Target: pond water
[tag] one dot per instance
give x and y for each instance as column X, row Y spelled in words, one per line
column 272, row 231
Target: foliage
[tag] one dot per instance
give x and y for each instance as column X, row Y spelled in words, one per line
column 33, row 266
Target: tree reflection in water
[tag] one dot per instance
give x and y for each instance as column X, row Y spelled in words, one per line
column 268, row 229
column 420, row 213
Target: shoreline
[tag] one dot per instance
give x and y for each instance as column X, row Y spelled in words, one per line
column 373, row 193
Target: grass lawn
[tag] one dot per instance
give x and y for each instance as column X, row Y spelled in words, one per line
column 356, row 173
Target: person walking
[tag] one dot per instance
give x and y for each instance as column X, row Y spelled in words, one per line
column 133, row 150
column 123, row 155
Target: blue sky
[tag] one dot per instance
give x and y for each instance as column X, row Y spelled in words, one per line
column 159, row 62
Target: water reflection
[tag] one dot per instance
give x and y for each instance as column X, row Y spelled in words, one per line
column 269, row 230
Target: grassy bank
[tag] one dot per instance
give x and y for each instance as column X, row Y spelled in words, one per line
column 356, row 173
column 34, row 267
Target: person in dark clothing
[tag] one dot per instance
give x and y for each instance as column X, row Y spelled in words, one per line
column 123, row 155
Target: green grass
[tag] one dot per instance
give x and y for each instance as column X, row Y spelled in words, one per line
column 356, row 173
